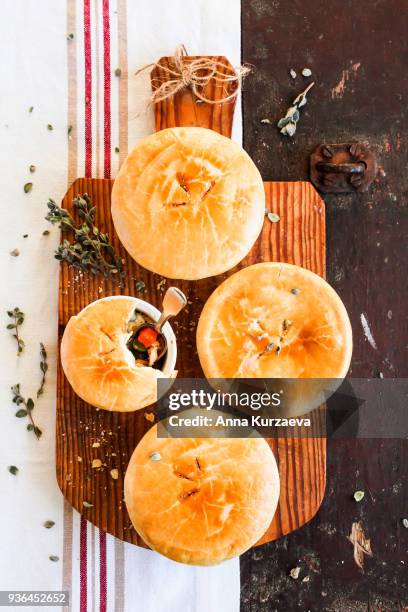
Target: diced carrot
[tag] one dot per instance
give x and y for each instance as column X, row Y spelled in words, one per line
column 147, row 336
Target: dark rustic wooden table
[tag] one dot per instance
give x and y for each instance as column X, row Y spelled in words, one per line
column 358, row 53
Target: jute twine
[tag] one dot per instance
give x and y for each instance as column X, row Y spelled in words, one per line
column 196, row 74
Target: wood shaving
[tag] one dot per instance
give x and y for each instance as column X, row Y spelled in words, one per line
column 114, row 473
column 362, row 545
column 96, row 463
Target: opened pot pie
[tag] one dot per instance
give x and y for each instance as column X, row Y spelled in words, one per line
column 274, row 320
column 98, row 362
column 188, row 203
column 201, row 501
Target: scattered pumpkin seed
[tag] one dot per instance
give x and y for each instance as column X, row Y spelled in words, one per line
column 46, row 233
column 405, row 523
column 116, row 149
column 50, row 127
column 25, row 235
column 96, row 463
column 48, row 524
column 28, row 187
column 155, row 456
column 265, row 121
column 293, row 73
column 70, row 36
column 114, row 473
column 30, row 110
column 13, row 470
column 140, row 286
column 306, row 72
column 32, row 168
column 294, row 573
column 15, row 253
column 295, row 291
column 306, row 579
column 358, row 496
column 118, row 72
column 86, row 504
column 273, row 217
column 54, row 558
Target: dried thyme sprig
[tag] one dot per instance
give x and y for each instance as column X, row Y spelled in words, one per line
column 26, row 411
column 91, row 250
column 287, row 124
column 18, row 319
column 43, row 368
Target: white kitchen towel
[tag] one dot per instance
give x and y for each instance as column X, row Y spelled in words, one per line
column 65, row 111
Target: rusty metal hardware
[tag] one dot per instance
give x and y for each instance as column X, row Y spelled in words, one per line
column 342, row 168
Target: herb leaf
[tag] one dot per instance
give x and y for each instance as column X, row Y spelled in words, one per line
column 26, row 410
column 90, row 250
column 18, row 319
column 43, row 368
column 287, row 124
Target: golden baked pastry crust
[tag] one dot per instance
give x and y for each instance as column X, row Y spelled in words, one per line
column 188, row 203
column 97, row 363
column 204, row 500
column 274, row 320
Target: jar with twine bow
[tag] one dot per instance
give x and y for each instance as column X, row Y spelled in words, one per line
column 198, row 74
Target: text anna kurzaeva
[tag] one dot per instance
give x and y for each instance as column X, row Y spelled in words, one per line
column 203, row 409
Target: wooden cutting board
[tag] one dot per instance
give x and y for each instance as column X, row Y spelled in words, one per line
column 84, row 433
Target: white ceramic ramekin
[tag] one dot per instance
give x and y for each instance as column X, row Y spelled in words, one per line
column 151, row 311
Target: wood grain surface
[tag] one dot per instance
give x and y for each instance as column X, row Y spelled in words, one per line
column 298, row 238
column 358, row 54
column 187, row 110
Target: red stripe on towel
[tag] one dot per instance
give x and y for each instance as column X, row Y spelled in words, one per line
column 88, row 88
column 102, row 572
column 106, row 89
column 83, row 570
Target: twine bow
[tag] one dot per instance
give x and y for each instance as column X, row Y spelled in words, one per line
column 196, row 74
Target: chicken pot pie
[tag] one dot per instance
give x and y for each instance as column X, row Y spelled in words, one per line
column 188, row 203
column 201, row 500
column 274, row 320
column 99, row 361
